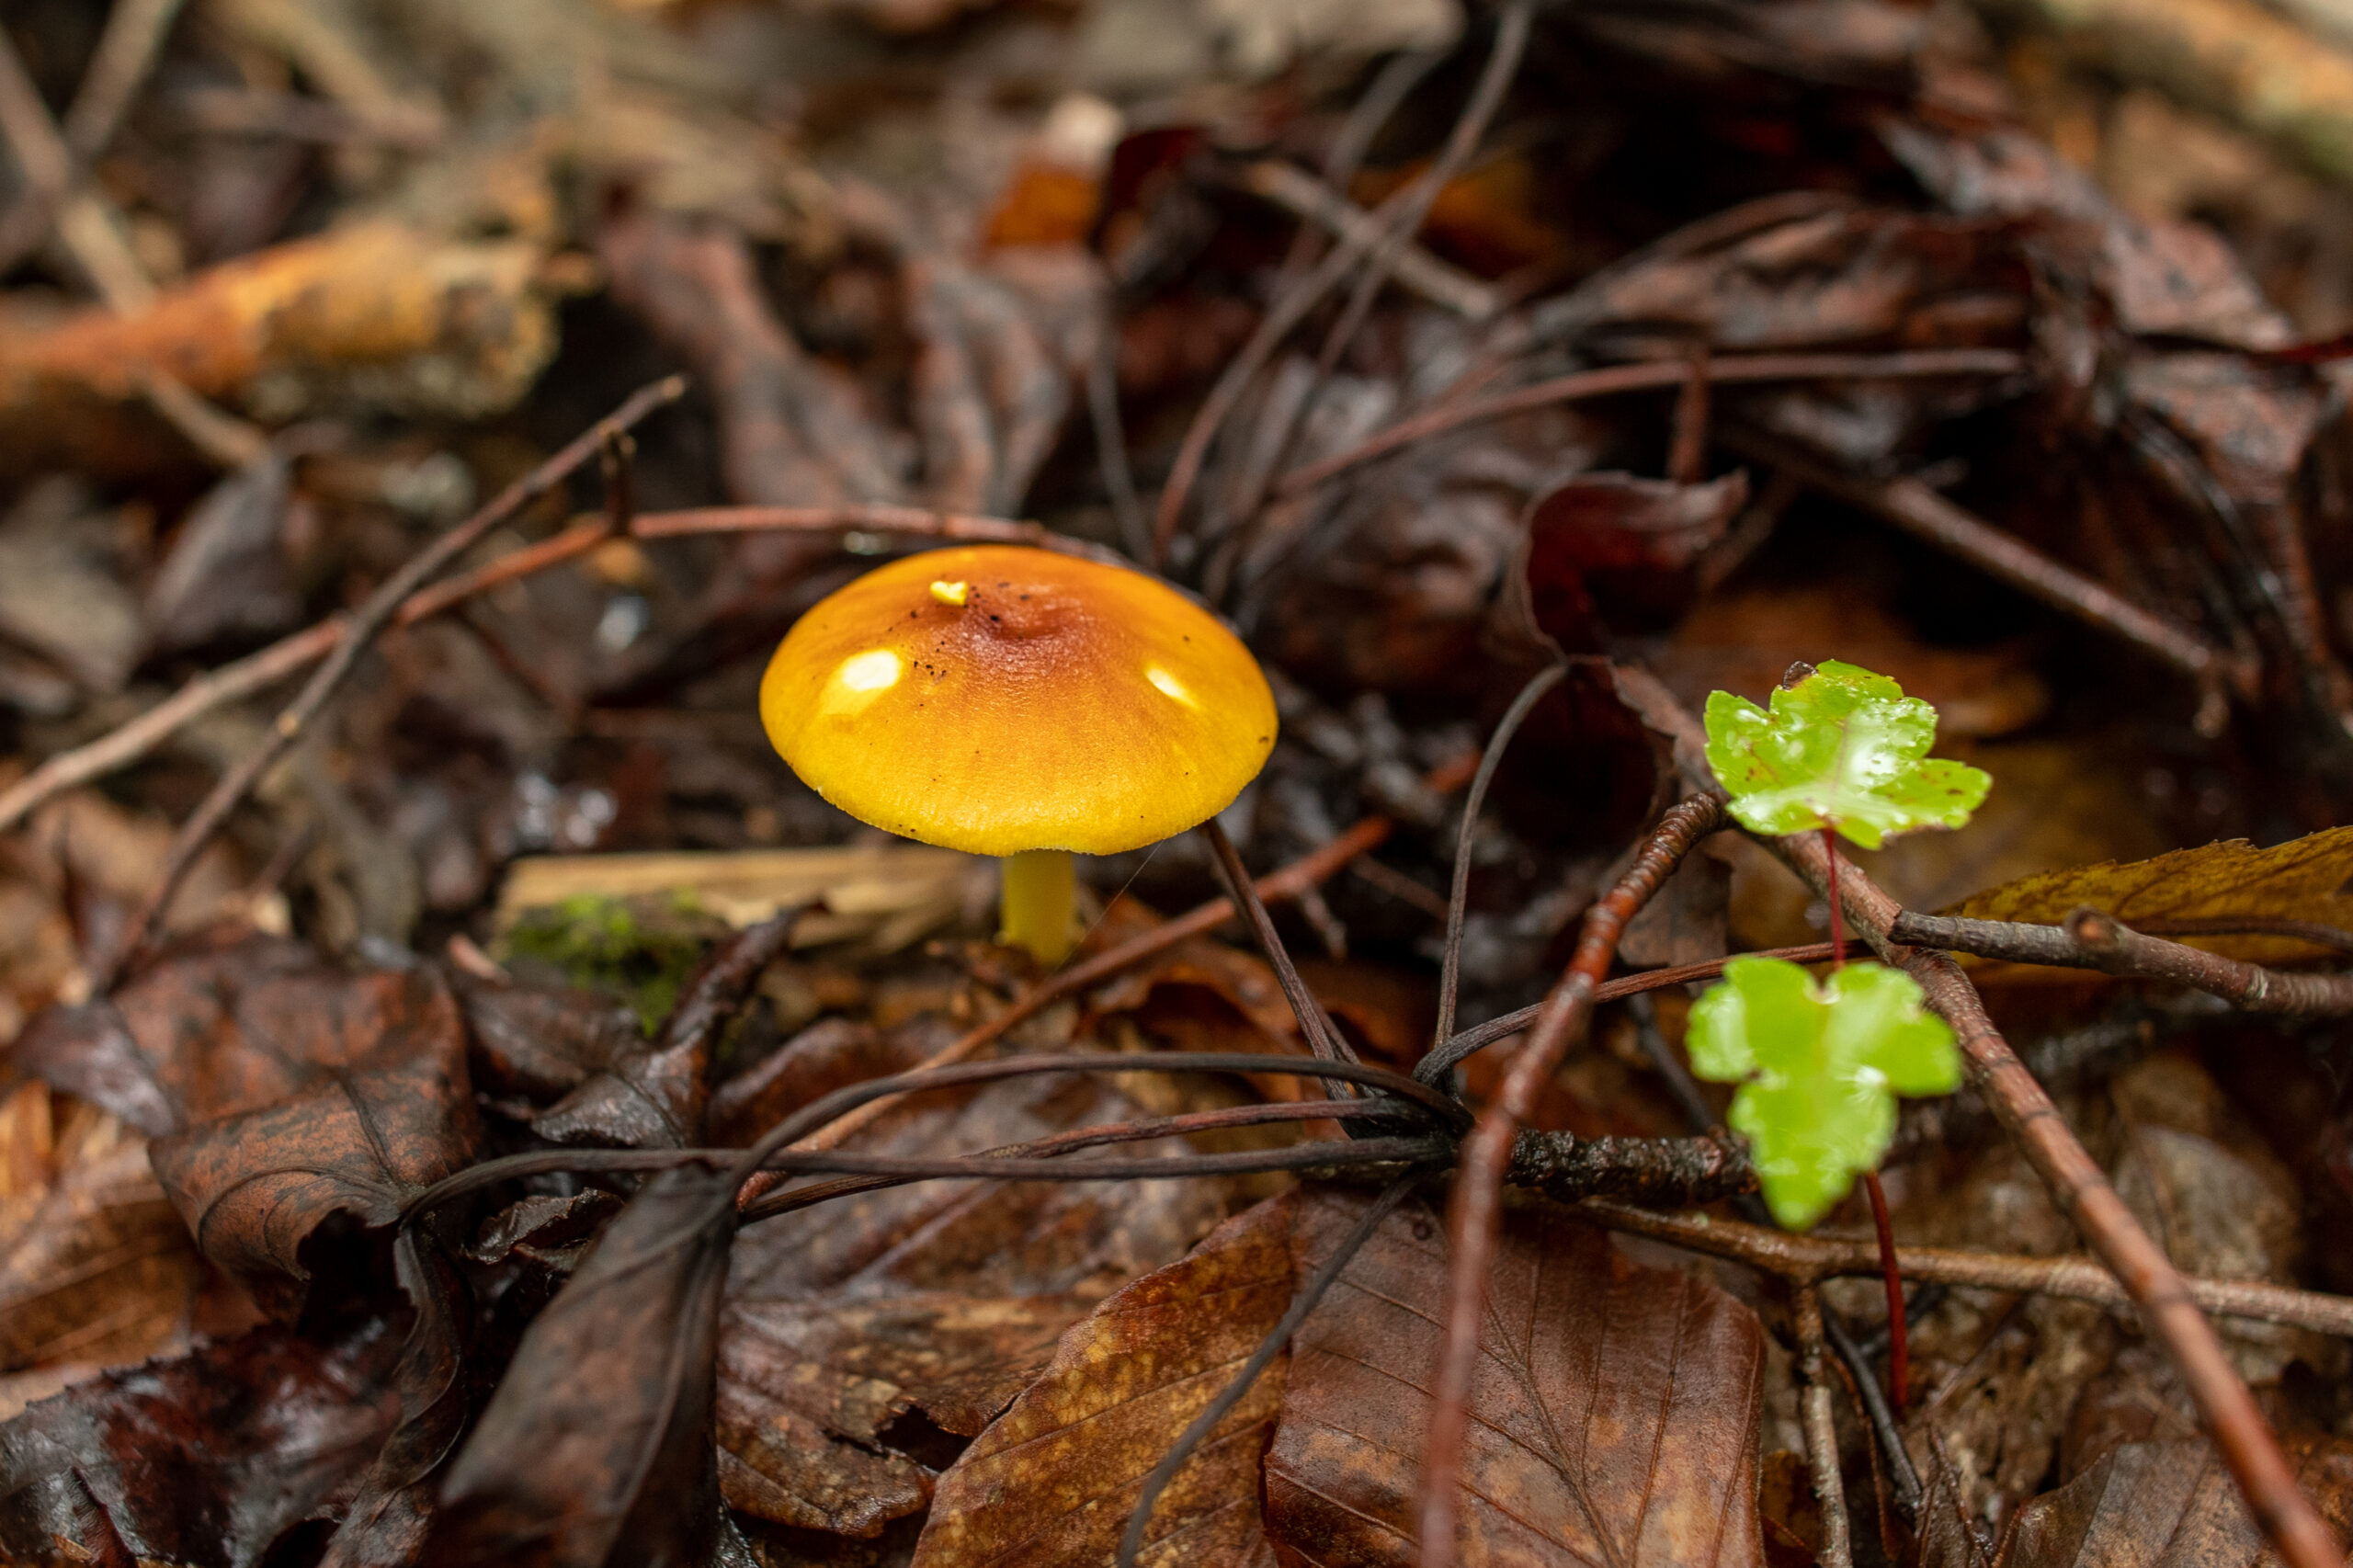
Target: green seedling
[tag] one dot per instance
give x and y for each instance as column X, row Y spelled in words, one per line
column 1841, row 751
column 1819, row 1066
column 1842, row 748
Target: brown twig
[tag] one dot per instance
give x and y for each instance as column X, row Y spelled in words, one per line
column 372, row 616
column 1808, row 1259
column 1303, row 196
column 1899, row 1346
column 2090, row 939
column 1255, row 1114
column 1614, row 380
column 1292, row 307
column 1317, row 865
column 1470, row 1041
column 1820, row 1435
column 1475, row 1211
column 1458, row 902
column 1921, row 512
column 1314, row 1024
column 1635, row 1170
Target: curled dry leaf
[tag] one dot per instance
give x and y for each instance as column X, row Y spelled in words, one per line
column 1053, row 1479
column 1613, row 1417
column 253, row 1188
column 206, row 1462
column 596, row 1447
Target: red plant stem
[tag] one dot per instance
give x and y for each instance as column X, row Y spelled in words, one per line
column 1837, row 922
column 1476, row 1209
column 1899, row 1346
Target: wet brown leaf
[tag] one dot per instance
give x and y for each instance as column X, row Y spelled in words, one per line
column 1613, row 1420
column 253, row 1188
column 534, row 1044
column 2168, row 1505
column 205, row 1461
column 597, row 1448
column 2308, row 878
column 1052, row 1480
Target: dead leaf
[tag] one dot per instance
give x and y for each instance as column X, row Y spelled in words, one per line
column 1052, row 1480
column 100, row 1270
column 360, row 1139
column 225, row 1023
column 1613, row 1420
column 206, row 1462
column 835, row 1410
column 2308, row 878
column 534, row 1044
column 2168, row 1503
column 597, row 1448
column 1610, row 552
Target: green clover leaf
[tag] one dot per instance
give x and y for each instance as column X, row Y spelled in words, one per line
column 1843, row 748
column 1819, row 1068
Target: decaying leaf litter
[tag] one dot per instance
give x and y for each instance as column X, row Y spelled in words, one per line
column 469, row 1101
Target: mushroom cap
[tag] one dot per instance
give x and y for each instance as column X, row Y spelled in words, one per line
column 1062, row 704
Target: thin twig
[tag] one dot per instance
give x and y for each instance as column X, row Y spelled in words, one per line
column 371, row 618
column 1820, row 1435
column 1475, row 1211
column 1615, row 380
column 1314, row 1024
column 1458, row 901
column 2090, row 939
column 1392, row 237
column 1302, row 1304
column 1252, row 1114
column 134, row 35
column 1303, row 196
column 1432, row 1068
column 1809, row 1259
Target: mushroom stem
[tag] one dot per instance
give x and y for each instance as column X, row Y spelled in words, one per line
column 1039, row 890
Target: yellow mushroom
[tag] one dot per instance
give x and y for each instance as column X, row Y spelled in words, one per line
column 1023, row 704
